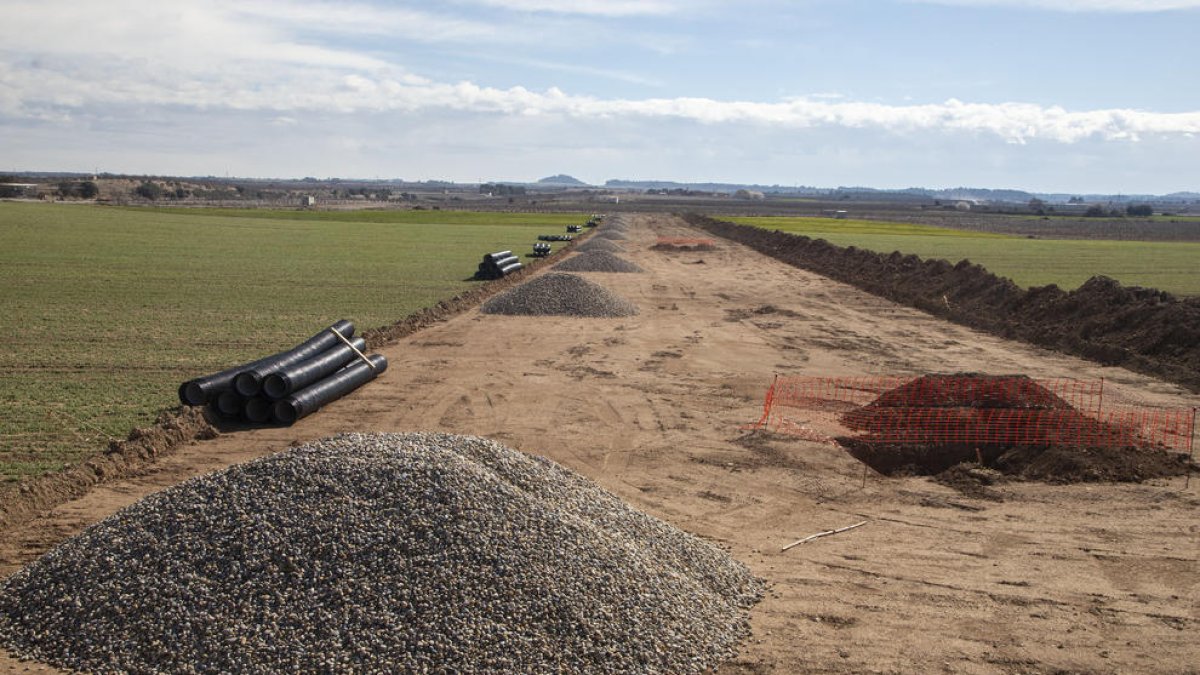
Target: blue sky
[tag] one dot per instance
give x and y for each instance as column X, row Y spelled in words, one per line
column 1046, row 95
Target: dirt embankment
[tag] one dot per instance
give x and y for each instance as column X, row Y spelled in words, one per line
column 1142, row 329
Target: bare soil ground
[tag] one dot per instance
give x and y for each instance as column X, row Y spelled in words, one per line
column 1035, row 578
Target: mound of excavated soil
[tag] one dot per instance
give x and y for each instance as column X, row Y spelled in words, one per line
column 597, row 261
column 904, row 432
column 1143, row 329
column 970, row 390
column 382, row 553
column 668, row 247
column 559, row 294
column 610, row 234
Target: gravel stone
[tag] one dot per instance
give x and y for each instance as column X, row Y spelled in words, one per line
column 610, row 234
column 559, row 294
column 381, row 553
column 594, row 244
column 597, row 261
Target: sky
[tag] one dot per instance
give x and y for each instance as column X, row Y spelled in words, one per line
column 1080, row 96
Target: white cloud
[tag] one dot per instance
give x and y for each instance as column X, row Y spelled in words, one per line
column 1124, row 6
column 603, row 8
column 41, row 92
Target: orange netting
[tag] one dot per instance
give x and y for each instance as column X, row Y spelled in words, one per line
column 969, row 410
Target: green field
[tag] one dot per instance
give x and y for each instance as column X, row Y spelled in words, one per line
column 108, row 309
column 1170, row 266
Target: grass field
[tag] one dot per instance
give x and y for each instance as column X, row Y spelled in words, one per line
column 1170, row 266
column 108, row 310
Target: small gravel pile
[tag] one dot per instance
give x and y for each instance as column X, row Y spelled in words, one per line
column 597, row 261
column 381, row 553
column 560, row 294
column 594, row 244
column 610, row 234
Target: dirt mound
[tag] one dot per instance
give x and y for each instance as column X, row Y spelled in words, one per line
column 1143, row 329
column 919, row 429
column 382, row 553
column 668, row 244
column 610, row 234
column 971, row 390
column 559, row 294
column 683, row 247
column 597, row 261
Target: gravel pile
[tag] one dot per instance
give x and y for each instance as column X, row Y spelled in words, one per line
column 381, row 553
column 559, row 294
column 597, row 261
column 610, row 234
column 595, row 244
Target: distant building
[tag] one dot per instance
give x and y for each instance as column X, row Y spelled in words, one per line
column 307, row 201
column 963, row 206
column 840, row 214
column 19, row 190
column 749, row 194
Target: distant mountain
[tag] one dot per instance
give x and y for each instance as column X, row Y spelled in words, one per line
column 561, row 179
column 618, row 183
column 981, row 195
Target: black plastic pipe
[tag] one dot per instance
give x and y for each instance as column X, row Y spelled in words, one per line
column 257, row 410
column 283, row 382
column 310, row 399
column 229, row 404
column 204, row 389
column 201, row 390
column 249, row 381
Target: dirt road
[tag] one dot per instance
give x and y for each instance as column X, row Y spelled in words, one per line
column 1099, row 578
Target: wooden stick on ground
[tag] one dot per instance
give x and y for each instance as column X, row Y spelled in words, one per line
column 824, row 534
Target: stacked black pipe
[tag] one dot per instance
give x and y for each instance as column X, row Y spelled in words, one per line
column 292, row 384
column 555, row 237
column 541, row 250
column 497, row 265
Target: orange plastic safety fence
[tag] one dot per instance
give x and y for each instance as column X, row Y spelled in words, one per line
column 969, row 410
column 825, row 392
column 1008, row 427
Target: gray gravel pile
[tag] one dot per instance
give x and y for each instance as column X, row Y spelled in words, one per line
column 594, row 244
column 560, row 294
column 610, row 234
column 597, row 261
column 381, row 553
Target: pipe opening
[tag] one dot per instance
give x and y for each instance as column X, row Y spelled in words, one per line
column 229, row 403
column 193, row 393
column 258, row 410
column 248, row 383
column 286, row 412
column 276, row 386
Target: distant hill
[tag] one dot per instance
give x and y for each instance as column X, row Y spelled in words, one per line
column 561, row 179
